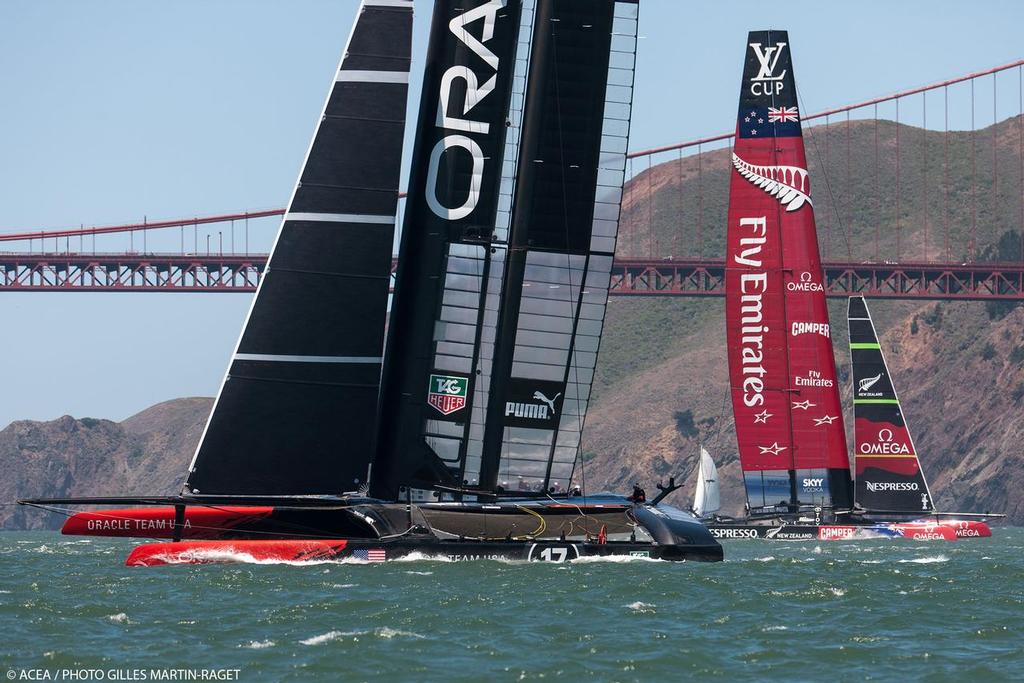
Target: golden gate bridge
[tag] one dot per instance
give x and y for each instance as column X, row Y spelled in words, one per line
column 903, row 212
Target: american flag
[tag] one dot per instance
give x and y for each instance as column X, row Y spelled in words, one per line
column 369, row 555
column 783, row 114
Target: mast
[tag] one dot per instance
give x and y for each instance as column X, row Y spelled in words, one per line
column 296, row 411
column 782, row 371
column 889, row 475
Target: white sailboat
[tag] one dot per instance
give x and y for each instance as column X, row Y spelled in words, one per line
column 706, row 500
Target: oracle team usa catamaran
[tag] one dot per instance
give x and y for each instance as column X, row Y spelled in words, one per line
column 462, row 437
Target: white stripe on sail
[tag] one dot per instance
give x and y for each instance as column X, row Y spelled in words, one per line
column 340, row 218
column 277, row 358
column 355, row 76
column 388, row 3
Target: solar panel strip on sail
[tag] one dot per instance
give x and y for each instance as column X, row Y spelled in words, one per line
column 294, row 415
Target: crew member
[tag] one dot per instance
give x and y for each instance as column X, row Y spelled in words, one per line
column 639, row 495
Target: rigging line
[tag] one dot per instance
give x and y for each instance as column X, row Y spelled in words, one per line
column 828, row 186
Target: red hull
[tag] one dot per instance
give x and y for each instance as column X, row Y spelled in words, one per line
column 214, row 552
column 909, row 530
column 200, row 522
column 968, row 528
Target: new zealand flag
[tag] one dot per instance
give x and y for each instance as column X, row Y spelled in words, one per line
column 769, row 122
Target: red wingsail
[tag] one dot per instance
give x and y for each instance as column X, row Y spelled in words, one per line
column 785, row 396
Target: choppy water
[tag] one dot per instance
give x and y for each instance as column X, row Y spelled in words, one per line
column 875, row 610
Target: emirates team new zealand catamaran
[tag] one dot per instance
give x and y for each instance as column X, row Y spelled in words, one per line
column 785, row 395
column 462, row 439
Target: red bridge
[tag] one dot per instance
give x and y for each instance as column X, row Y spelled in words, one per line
column 946, row 210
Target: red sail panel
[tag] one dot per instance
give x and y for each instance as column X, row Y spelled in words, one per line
column 785, row 394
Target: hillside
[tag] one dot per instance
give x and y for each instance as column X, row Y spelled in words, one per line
column 145, row 455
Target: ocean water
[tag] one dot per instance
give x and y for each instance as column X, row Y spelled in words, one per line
column 846, row 611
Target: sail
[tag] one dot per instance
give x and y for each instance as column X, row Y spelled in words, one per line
column 785, row 396
column 295, row 413
column 705, row 498
column 453, row 247
column 561, row 242
column 889, row 475
column 496, row 322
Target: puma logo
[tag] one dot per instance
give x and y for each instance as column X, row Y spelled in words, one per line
column 550, row 401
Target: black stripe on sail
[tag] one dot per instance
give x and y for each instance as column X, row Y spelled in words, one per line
column 296, row 413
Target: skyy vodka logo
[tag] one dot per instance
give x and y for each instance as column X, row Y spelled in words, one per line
column 456, row 118
column 752, row 289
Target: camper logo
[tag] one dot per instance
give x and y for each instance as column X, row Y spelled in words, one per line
column 447, row 393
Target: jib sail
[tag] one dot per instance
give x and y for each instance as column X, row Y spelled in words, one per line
column 889, row 475
column 785, row 397
column 294, row 415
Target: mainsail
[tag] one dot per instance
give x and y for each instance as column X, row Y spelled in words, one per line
column 453, row 247
column 785, row 397
column 889, row 475
column 706, row 499
column 504, row 268
column 295, row 412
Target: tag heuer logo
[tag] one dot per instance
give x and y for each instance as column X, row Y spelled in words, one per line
column 447, row 393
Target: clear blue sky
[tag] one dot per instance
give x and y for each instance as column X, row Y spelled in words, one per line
column 117, row 109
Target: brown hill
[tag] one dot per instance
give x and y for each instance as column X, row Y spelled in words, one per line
column 145, row 455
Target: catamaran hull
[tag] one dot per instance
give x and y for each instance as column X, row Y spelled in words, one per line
column 947, row 530
column 359, row 528
column 358, row 551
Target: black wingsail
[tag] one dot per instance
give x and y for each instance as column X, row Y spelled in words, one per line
column 468, row 337
column 296, row 411
column 889, row 476
column 562, row 240
column 453, row 247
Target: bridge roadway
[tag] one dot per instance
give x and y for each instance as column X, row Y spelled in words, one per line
column 134, row 272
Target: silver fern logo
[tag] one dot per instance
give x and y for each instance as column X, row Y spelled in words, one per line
column 789, row 184
column 869, row 382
